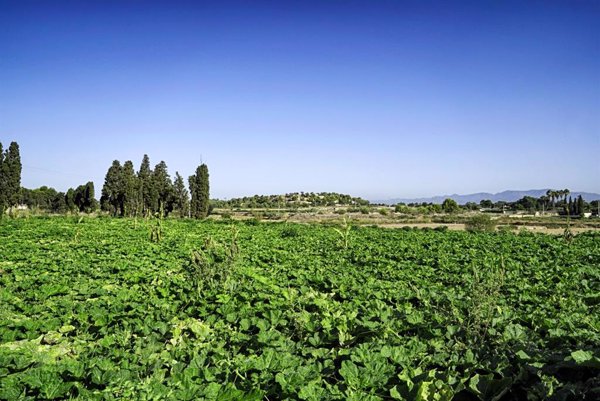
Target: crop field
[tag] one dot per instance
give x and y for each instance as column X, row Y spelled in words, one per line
column 118, row 309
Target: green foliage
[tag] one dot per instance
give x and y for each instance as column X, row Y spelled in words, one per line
column 164, row 194
column 212, row 264
column 130, row 202
column 294, row 200
column 480, row 222
column 450, row 206
column 345, row 233
column 10, row 177
column 91, row 310
column 156, row 227
column 290, row 231
column 146, row 192
column 199, row 189
column 486, row 286
column 84, row 198
column 70, row 200
column 3, row 182
column 112, row 191
column 182, row 199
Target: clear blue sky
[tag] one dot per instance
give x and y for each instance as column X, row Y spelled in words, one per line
column 378, row 99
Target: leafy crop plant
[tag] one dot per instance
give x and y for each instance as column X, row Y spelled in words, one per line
column 232, row 311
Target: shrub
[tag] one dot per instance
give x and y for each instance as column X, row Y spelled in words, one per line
column 480, row 222
column 384, row 212
column 213, row 262
column 272, row 215
column 289, row 231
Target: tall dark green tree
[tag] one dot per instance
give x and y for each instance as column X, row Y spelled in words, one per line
column 79, row 197
column 58, row 203
column 199, row 189
column 10, row 176
column 131, row 202
column 112, row 191
column 84, row 198
column 162, row 189
column 3, row 178
column 571, row 207
column 89, row 198
column 580, row 205
column 182, row 200
column 70, row 200
column 145, row 187
column 13, row 161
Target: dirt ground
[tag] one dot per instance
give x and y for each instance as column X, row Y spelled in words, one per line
column 326, row 215
column 461, row 227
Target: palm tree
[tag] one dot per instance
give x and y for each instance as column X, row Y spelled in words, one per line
column 544, row 199
column 552, row 195
column 559, row 195
column 566, row 193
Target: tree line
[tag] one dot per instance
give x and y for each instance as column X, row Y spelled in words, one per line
column 80, row 199
column 150, row 191
column 555, row 201
column 294, row 200
column 125, row 192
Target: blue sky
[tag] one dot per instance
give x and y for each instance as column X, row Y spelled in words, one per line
column 378, row 99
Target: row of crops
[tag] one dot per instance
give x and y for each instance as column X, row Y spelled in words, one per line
column 91, row 309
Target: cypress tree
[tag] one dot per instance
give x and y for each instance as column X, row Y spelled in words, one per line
column 70, row 200
column 79, row 197
column 571, row 207
column 113, row 189
column 12, row 171
column 145, row 192
column 199, row 188
column 58, row 203
column 129, row 195
column 3, row 177
column 182, row 200
column 89, row 203
column 162, row 189
column 580, row 205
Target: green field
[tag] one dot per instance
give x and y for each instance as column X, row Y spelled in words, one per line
column 91, row 309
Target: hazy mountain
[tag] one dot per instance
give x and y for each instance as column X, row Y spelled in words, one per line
column 507, row 196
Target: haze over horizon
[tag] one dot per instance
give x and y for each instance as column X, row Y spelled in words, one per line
column 378, row 100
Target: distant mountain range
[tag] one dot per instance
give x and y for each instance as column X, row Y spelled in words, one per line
column 506, row 196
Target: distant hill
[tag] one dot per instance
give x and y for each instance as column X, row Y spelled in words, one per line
column 292, row 200
column 506, row 196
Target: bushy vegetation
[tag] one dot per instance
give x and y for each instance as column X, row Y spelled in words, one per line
column 81, row 199
column 91, row 309
column 480, row 222
column 293, row 200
